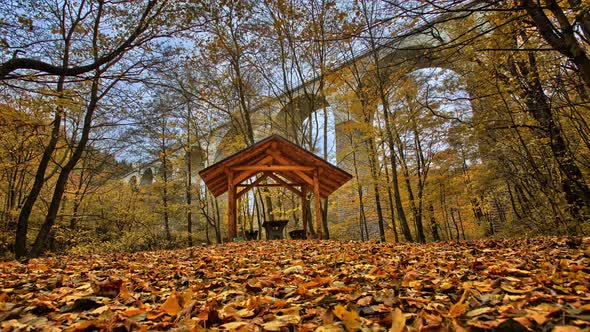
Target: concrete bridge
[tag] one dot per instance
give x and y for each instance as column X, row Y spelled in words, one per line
column 414, row 49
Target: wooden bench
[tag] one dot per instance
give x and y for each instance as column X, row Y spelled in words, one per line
column 297, row 234
column 275, row 229
column 251, row 235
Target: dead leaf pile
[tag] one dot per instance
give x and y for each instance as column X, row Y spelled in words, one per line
column 504, row 285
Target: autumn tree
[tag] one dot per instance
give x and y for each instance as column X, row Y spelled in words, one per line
column 74, row 39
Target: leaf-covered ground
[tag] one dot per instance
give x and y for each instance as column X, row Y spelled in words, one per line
column 510, row 285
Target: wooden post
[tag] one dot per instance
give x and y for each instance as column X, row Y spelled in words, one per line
column 318, row 206
column 304, row 209
column 231, row 205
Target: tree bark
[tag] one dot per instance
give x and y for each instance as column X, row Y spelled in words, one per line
column 561, row 37
column 576, row 191
column 60, row 185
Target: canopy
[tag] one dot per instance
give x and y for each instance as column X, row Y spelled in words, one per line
column 274, row 157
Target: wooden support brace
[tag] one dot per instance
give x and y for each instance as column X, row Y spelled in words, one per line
column 273, row 168
column 282, row 182
column 246, row 174
column 277, row 155
column 231, row 205
column 304, row 205
column 250, row 186
column 318, row 206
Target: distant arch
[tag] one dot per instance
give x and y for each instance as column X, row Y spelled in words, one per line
column 147, row 178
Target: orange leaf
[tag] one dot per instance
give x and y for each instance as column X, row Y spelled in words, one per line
column 124, row 292
column 459, row 308
column 171, row 306
column 398, row 321
column 567, row 328
column 155, row 315
column 350, row 319
column 132, row 312
column 82, row 325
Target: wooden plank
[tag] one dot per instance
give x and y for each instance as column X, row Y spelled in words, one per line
column 278, row 156
column 273, row 168
column 252, row 185
column 318, row 207
column 237, row 158
column 304, row 205
column 231, row 205
column 246, row 174
column 326, row 181
column 220, row 181
column 269, row 185
column 281, row 181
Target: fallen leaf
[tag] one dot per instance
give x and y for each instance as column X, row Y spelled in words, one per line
column 132, row 312
column 281, row 321
column 100, row 310
column 330, row 328
column 479, row 311
column 293, row 269
column 513, row 290
column 459, row 308
column 124, row 292
column 398, row 321
column 232, row 326
column 171, row 306
column 351, row 319
column 109, row 287
column 567, row 328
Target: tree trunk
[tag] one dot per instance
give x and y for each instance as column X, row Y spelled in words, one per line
column 461, row 223
column 189, row 181
column 577, row 193
column 64, row 174
column 433, row 224
column 562, row 37
column 452, row 211
column 165, row 189
column 375, row 180
column 20, row 243
column 359, row 190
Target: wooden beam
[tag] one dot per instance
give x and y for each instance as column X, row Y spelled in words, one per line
column 273, row 168
column 318, row 207
column 328, row 182
column 231, row 205
column 304, row 205
column 269, row 185
column 246, row 174
column 251, row 185
column 281, row 181
column 277, row 155
column 239, row 159
column 219, row 179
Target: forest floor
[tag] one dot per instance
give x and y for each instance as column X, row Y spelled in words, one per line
column 505, row 285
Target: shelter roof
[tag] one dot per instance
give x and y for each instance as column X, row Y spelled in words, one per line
column 277, row 155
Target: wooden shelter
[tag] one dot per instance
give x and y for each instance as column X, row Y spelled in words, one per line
column 287, row 164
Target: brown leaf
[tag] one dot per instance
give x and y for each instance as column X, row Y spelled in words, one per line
column 513, row 290
column 108, row 287
column 171, row 306
column 458, row 308
column 480, row 311
column 132, row 312
column 82, row 325
column 351, row 319
column 567, row 328
column 124, row 293
column 398, row 321
column 281, row 321
column 365, row 301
